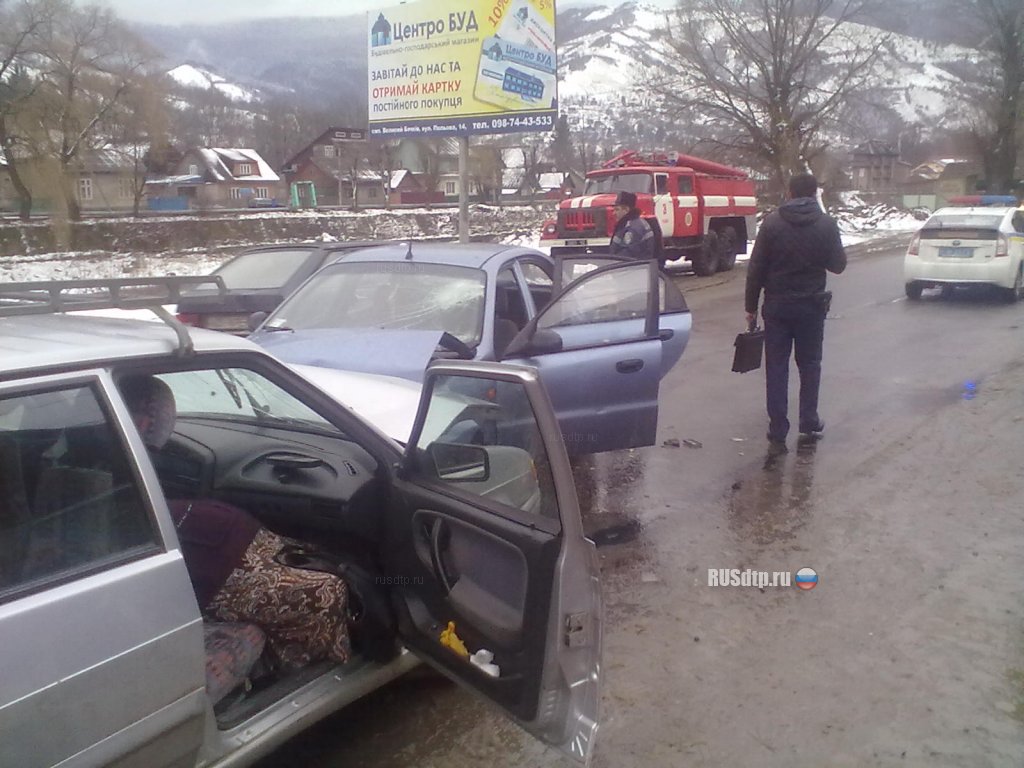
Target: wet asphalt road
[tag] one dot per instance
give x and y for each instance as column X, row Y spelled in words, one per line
column 910, row 652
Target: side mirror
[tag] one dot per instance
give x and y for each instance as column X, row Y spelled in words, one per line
column 458, row 463
column 541, row 341
column 256, row 320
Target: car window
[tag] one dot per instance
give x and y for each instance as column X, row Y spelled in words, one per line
column 1018, row 222
column 242, row 394
column 620, row 294
column 69, row 500
column 263, row 269
column 623, row 182
column 481, row 437
column 960, row 226
column 390, row 295
column 538, row 283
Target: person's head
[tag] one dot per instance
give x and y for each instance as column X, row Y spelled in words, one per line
column 151, row 404
column 803, row 185
column 624, row 203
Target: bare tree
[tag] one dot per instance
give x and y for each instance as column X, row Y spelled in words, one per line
column 20, row 27
column 93, row 62
column 383, row 156
column 768, row 77
column 997, row 128
column 141, row 122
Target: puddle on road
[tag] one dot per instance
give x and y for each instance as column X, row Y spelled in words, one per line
column 774, row 503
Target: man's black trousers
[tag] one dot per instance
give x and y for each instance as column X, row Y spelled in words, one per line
column 795, row 324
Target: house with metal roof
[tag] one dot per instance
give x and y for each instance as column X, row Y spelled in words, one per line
column 214, row 177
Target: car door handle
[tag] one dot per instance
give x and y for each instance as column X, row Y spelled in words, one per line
column 629, row 366
column 665, row 334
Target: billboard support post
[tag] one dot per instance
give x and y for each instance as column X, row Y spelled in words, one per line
column 463, row 189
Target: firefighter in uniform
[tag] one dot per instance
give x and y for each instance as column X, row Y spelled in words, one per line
column 633, row 236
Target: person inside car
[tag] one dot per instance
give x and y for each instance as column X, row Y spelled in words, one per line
column 232, row 562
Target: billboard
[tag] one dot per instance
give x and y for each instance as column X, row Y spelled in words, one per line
column 462, row 67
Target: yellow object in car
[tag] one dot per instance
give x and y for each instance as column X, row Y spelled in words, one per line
column 451, row 640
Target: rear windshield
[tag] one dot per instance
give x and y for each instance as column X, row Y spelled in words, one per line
column 953, row 227
column 620, row 182
column 263, row 269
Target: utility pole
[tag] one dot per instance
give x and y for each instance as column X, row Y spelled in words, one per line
column 463, row 189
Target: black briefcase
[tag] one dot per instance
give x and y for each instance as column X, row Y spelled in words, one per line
column 749, row 348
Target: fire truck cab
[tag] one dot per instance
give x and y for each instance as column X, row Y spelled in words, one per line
column 702, row 212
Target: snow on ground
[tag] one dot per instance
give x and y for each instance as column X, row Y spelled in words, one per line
column 857, row 222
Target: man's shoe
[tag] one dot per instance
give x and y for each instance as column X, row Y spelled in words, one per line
column 776, row 445
column 814, row 433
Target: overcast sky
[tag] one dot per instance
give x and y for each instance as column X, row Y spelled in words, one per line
column 214, row 11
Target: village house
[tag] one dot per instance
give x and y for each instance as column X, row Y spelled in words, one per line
column 104, row 180
column 340, row 167
column 930, row 185
column 209, row 178
column 876, row 168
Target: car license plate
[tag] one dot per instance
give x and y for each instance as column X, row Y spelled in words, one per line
column 575, row 242
column 955, row 252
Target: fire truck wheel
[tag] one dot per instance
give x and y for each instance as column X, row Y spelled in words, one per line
column 727, row 254
column 705, row 262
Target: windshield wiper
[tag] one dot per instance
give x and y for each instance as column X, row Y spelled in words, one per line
column 277, row 329
column 232, row 385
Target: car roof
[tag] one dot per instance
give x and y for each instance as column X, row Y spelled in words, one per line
column 461, row 254
column 974, row 210
column 36, row 343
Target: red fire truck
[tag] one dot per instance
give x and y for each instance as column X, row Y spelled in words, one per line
column 701, row 212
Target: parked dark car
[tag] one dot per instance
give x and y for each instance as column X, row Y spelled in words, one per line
column 257, row 280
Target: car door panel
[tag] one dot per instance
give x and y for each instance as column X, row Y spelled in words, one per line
column 98, row 620
column 605, row 395
column 604, row 380
column 511, row 581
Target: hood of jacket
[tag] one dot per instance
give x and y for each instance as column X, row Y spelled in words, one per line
column 801, row 211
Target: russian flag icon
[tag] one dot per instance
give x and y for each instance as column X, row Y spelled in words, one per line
column 806, row 578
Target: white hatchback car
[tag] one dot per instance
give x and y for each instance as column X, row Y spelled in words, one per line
column 979, row 245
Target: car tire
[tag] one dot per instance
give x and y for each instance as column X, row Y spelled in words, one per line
column 727, row 249
column 1015, row 294
column 705, row 262
column 913, row 289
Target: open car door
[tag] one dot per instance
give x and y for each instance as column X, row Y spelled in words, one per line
column 602, row 346
column 485, row 544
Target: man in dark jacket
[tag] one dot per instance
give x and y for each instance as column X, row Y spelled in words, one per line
column 633, row 236
column 794, row 248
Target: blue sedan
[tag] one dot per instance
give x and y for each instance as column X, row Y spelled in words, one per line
column 602, row 332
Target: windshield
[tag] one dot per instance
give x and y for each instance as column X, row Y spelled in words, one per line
column 263, row 269
column 390, row 295
column 642, row 183
column 241, row 394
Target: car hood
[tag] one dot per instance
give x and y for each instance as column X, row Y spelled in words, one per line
column 405, row 354
column 387, row 402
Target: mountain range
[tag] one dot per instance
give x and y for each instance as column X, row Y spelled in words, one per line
column 607, row 53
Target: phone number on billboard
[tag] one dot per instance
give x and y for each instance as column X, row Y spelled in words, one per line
column 528, row 121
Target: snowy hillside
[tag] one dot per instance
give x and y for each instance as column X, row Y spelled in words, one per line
column 192, row 76
column 609, row 52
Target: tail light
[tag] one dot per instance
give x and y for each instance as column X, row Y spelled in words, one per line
column 915, row 241
column 549, row 231
column 1002, row 246
column 190, row 318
